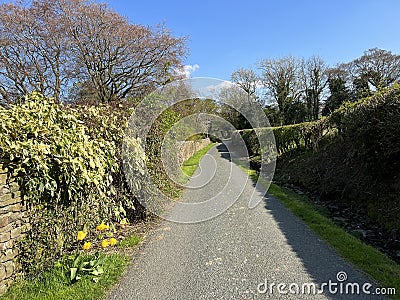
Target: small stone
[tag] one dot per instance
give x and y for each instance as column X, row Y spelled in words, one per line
column 360, row 233
column 3, row 177
column 340, row 219
column 5, row 229
column 298, row 192
column 9, row 265
column 4, row 237
column 3, row 273
column 4, row 220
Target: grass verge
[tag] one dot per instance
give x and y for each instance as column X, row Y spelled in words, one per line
column 190, row 165
column 374, row 263
column 54, row 284
column 130, row 241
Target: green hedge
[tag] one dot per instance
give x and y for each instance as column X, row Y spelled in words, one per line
column 351, row 157
column 68, row 165
column 304, row 135
column 370, row 125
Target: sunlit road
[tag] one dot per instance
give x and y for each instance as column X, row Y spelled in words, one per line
column 241, row 254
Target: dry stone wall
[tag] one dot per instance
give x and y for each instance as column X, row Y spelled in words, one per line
column 188, row 148
column 12, row 226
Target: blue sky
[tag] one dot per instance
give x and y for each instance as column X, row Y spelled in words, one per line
column 226, row 35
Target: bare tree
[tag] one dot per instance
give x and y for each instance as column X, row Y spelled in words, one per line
column 314, row 79
column 51, row 46
column 380, row 68
column 281, row 78
column 34, row 50
column 248, row 80
column 120, row 58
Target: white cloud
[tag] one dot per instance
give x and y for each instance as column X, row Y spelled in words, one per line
column 218, row 87
column 187, row 70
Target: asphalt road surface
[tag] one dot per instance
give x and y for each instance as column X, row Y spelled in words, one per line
column 260, row 253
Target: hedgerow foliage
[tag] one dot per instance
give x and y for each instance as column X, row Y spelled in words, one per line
column 372, row 128
column 351, row 157
column 370, row 125
column 68, row 164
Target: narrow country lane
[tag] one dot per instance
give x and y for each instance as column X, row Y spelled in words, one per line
column 233, row 255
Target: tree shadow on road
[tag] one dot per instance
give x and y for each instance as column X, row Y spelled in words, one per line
column 320, row 260
column 223, row 151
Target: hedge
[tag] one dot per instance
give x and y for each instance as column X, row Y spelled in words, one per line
column 370, row 125
column 68, row 165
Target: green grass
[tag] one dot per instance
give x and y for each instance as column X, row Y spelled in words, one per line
column 377, row 265
column 130, row 241
column 190, row 165
column 53, row 285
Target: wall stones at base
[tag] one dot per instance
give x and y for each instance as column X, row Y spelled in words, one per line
column 12, row 228
column 188, row 148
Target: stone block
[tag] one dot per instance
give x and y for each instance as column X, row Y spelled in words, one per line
column 4, row 189
column 14, row 217
column 16, row 207
column 16, row 194
column 9, row 266
column 3, row 272
column 5, row 229
column 4, row 220
column 17, row 232
column 6, row 245
column 4, row 237
column 4, row 199
column 7, row 255
column 3, row 177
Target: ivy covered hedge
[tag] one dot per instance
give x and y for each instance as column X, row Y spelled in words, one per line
column 69, row 167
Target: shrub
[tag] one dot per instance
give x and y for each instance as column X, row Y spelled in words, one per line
column 65, row 172
column 108, row 122
column 372, row 128
column 371, row 125
column 287, row 138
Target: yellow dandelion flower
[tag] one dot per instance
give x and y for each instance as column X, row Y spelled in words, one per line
column 105, row 243
column 81, row 235
column 113, row 242
column 87, row 245
column 102, row 226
